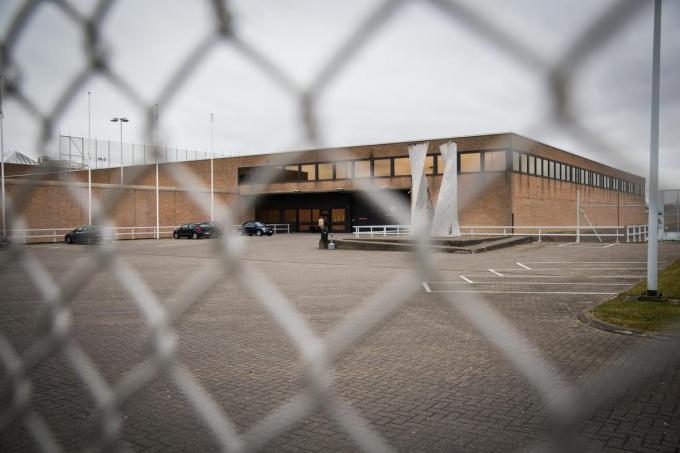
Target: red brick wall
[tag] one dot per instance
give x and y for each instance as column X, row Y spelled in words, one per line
column 540, row 201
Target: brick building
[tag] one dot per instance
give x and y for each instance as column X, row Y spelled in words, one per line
column 504, row 179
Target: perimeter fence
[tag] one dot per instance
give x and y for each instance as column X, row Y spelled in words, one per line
column 76, row 153
column 567, row 404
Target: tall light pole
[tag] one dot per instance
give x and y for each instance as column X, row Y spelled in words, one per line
column 652, row 219
column 212, row 179
column 121, row 121
column 89, row 159
column 2, row 161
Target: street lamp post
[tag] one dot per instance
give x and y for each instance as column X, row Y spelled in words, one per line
column 2, row 161
column 653, row 216
column 89, row 159
column 121, row 121
column 212, row 179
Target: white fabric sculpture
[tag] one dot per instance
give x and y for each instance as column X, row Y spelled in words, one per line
column 445, row 222
column 421, row 204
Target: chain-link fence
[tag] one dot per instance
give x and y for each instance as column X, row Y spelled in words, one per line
column 79, row 153
column 567, row 404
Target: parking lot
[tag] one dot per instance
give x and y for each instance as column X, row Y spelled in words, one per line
column 427, row 379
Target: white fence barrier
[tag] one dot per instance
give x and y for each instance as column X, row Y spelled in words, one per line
column 631, row 233
column 637, row 233
column 35, row 235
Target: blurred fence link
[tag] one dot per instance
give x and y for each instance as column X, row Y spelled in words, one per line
column 566, row 404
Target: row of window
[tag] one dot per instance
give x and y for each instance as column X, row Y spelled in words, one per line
column 468, row 162
column 538, row 166
column 472, row 162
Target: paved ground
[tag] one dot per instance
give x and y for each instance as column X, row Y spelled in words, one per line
column 427, row 380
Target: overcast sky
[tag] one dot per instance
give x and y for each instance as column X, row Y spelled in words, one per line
column 422, row 75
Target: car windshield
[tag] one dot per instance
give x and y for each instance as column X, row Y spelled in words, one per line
column 260, row 224
column 205, row 225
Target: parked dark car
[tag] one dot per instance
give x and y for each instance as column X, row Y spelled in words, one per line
column 196, row 231
column 256, row 228
column 87, row 234
column 215, row 230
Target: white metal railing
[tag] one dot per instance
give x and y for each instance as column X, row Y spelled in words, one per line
column 57, row 234
column 35, row 235
column 382, row 230
column 637, row 233
column 279, row 227
column 598, row 231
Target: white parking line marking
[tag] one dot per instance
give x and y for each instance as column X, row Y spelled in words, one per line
column 522, row 265
column 629, row 268
column 589, row 262
column 529, row 283
column 573, row 245
column 617, row 277
column 497, row 273
column 584, row 293
column 465, row 278
column 427, row 287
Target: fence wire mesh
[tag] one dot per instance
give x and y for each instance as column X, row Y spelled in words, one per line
column 566, row 403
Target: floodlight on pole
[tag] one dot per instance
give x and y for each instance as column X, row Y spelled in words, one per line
column 120, row 120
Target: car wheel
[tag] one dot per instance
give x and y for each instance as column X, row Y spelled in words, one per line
column 194, row 236
column 175, row 235
column 69, row 240
column 259, row 233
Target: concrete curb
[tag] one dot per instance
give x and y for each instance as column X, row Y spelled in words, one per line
column 585, row 317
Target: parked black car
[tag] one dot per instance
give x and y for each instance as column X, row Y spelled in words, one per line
column 215, row 230
column 256, row 228
column 87, row 234
column 197, row 230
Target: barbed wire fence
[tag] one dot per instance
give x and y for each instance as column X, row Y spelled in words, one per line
column 566, row 403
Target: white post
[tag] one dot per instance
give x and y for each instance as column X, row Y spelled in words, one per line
column 158, row 233
column 578, row 215
column 652, row 229
column 89, row 161
column 212, row 174
column 121, row 152
column 2, row 162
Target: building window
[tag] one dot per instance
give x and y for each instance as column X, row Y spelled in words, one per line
column 532, row 165
column 275, row 174
column 429, row 165
column 382, row 167
column 291, row 173
column 539, row 166
column 524, row 164
column 343, row 170
column 325, row 171
column 515, row 161
column 470, row 162
column 545, row 168
column 308, row 172
column 551, row 169
column 402, row 166
column 362, row 168
column 494, row 161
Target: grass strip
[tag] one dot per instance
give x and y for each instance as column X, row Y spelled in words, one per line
column 626, row 311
